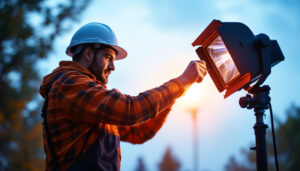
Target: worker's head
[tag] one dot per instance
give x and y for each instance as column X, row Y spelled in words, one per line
column 98, row 60
column 95, row 46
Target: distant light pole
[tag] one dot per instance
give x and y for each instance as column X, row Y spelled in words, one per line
column 195, row 139
column 192, row 101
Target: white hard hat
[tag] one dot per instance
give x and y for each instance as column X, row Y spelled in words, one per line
column 96, row 33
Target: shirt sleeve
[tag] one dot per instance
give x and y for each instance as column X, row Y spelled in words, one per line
column 139, row 134
column 86, row 100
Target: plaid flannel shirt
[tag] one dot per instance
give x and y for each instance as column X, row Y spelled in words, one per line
column 80, row 109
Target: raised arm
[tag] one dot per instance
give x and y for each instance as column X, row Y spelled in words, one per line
column 85, row 99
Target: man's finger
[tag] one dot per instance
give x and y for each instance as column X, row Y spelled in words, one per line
column 201, row 70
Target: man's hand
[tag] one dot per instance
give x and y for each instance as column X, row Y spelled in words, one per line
column 194, row 72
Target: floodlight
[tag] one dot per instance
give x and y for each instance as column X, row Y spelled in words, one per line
column 235, row 58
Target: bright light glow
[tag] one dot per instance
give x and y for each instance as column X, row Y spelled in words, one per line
column 222, row 60
column 192, row 98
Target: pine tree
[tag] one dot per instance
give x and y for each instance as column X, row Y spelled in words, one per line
column 141, row 165
column 169, row 162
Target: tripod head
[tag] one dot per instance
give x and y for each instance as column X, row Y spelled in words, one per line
column 260, row 98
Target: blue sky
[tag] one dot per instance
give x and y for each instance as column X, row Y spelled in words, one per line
column 158, row 35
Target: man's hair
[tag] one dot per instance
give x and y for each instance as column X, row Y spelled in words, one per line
column 78, row 50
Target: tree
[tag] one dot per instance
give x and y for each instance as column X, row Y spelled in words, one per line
column 141, row 165
column 28, row 30
column 169, row 162
column 288, row 140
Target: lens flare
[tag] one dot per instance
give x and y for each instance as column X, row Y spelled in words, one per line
column 222, row 60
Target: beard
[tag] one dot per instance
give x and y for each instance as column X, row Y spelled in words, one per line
column 98, row 71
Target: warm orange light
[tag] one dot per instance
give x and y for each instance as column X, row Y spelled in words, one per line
column 192, row 98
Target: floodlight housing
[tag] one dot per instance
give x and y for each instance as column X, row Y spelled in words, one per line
column 235, row 58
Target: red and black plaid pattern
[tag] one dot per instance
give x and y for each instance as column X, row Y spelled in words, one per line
column 80, row 107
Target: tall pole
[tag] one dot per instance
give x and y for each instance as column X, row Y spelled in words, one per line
column 195, row 139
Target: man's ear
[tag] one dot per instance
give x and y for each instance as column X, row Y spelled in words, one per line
column 88, row 55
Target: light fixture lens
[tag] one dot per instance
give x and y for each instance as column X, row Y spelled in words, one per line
column 222, row 60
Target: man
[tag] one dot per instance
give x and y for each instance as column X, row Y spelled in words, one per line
column 84, row 121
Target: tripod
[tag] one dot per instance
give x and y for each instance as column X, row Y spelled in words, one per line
column 259, row 101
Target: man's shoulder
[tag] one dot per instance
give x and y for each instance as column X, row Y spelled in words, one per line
column 78, row 77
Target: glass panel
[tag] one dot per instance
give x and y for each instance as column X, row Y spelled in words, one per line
column 222, row 60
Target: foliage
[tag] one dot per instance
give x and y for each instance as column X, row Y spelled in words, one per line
column 169, row 162
column 288, row 140
column 28, row 31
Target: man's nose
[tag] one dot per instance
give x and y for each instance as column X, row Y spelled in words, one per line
column 111, row 66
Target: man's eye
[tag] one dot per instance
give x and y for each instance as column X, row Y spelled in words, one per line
column 108, row 57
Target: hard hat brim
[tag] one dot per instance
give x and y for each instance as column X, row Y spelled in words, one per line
column 121, row 53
